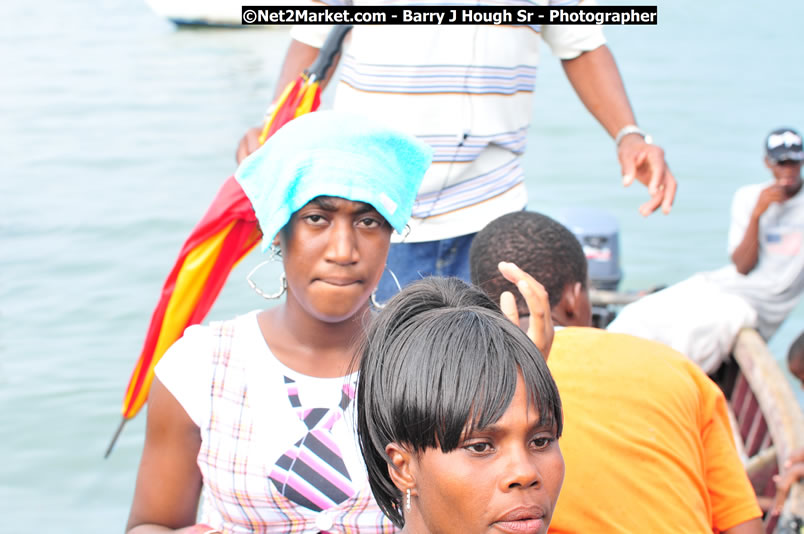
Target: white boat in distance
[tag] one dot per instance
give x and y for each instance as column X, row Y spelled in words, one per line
column 223, row 13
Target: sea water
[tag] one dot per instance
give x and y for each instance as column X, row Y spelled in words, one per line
column 116, row 130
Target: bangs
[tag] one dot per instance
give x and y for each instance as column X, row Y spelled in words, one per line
column 455, row 371
column 439, row 362
column 494, row 397
column 475, row 387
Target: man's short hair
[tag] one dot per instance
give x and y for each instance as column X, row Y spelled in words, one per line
column 539, row 245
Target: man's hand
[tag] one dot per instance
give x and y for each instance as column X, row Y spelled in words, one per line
column 793, row 471
column 646, row 163
column 540, row 322
column 248, row 143
column 746, row 254
column 769, row 195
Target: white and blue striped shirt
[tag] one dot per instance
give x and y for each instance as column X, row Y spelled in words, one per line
column 467, row 90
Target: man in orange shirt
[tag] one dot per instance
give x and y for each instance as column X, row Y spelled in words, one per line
column 647, row 441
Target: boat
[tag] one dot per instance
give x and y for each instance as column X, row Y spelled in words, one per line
column 767, row 422
column 217, row 13
column 213, row 13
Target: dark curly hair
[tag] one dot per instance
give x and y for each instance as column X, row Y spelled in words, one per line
column 539, row 245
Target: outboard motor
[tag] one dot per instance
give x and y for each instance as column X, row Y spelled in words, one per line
column 598, row 232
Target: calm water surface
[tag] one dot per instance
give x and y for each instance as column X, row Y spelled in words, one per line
column 116, row 130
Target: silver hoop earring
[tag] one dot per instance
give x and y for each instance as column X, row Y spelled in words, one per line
column 407, row 500
column 374, row 300
column 275, row 255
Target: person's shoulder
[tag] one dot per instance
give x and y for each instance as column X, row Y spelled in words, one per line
column 576, row 335
column 196, row 339
column 200, row 339
column 573, row 346
column 746, row 196
column 751, row 190
column 585, row 335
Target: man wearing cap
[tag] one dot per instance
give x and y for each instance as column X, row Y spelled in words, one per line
column 751, row 203
column 766, row 236
column 702, row 315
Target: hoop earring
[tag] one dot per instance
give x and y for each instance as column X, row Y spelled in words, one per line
column 374, row 300
column 275, row 255
column 407, row 500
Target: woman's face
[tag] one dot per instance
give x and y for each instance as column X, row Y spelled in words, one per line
column 334, row 254
column 501, row 479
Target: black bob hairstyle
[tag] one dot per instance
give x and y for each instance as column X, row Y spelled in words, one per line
column 439, row 361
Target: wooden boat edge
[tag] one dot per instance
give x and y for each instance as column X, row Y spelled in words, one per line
column 781, row 411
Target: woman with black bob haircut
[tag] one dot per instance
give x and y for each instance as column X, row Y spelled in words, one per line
column 458, row 416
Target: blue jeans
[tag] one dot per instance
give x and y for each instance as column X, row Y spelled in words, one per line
column 412, row 261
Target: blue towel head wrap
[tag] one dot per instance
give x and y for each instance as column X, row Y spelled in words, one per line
column 331, row 153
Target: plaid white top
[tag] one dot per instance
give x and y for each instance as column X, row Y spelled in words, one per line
column 242, row 439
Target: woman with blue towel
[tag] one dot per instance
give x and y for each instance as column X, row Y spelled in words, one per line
column 255, row 414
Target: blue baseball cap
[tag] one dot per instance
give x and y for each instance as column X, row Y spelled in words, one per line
column 333, row 153
column 784, row 144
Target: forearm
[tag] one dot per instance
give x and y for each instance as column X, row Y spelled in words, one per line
column 596, row 80
column 746, row 255
column 754, row 526
column 169, row 481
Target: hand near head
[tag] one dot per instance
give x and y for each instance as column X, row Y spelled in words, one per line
column 769, row 195
column 646, row 163
column 540, row 322
column 248, row 143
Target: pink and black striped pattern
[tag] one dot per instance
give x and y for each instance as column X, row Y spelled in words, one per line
column 312, row 473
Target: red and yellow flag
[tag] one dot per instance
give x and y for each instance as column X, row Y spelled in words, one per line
column 226, row 233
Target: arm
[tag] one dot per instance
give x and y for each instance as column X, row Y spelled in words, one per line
column 596, row 80
column 753, row 526
column 746, row 255
column 298, row 57
column 784, row 482
column 169, row 481
column 793, row 472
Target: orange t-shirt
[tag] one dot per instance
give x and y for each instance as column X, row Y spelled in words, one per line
column 647, row 441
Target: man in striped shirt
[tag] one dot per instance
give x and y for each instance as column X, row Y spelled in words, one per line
column 467, row 90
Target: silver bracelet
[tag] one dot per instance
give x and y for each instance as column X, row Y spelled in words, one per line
column 629, row 129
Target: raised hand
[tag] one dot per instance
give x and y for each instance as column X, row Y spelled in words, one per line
column 540, row 323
